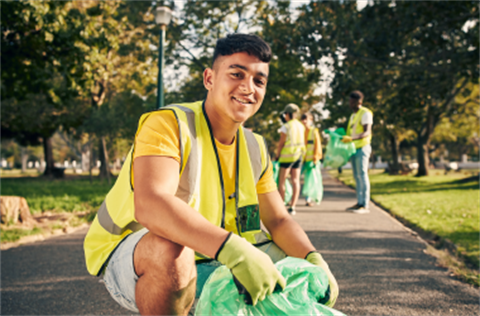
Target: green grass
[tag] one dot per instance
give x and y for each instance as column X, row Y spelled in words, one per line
column 441, row 204
column 72, row 194
column 11, row 235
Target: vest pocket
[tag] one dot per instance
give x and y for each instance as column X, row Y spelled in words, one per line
column 249, row 218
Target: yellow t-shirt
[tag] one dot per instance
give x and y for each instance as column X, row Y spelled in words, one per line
column 159, row 137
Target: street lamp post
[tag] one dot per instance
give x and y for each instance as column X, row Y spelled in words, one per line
column 162, row 17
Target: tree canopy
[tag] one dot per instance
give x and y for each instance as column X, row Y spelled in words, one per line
column 90, row 67
column 411, row 60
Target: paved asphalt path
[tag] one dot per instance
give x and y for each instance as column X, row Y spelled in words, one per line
column 380, row 267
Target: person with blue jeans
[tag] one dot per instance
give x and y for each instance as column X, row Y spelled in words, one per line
column 359, row 131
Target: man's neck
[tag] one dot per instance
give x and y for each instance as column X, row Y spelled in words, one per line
column 224, row 130
column 358, row 109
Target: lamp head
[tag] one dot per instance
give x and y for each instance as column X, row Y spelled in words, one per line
column 163, row 15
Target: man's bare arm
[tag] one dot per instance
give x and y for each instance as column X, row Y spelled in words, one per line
column 286, row 233
column 281, row 143
column 162, row 213
column 367, row 130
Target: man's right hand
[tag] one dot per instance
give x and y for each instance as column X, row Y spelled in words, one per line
column 253, row 268
column 347, row 139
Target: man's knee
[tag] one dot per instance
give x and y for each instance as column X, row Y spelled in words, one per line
column 167, row 276
column 162, row 258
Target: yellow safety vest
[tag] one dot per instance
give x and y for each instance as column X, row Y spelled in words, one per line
column 355, row 127
column 294, row 147
column 201, row 186
column 310, row 145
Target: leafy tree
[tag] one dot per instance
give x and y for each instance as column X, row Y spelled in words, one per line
column 39, row 72
column 192, row 40
column 459, row 132
column 118, row 61
column 411, row 59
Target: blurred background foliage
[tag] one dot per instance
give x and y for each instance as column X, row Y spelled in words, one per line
column 77, row 75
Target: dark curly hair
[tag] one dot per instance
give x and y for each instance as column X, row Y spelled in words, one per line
column 237, row 43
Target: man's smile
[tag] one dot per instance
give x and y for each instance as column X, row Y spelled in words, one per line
column 243, row 101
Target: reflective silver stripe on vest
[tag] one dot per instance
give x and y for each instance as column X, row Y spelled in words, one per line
column 254, row 153
column 186, row 186
column 107, row 222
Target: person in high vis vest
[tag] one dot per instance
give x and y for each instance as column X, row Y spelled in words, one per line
column 192, row 194
column 313, row 145
column 290, row 152
column 359, row 131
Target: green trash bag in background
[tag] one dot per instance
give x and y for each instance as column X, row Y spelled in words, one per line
column 312, row 181
column 306, row 285
column 338, row 153
column 288, row 185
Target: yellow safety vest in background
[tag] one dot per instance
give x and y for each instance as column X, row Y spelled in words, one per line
column 310, row 145
column 201, row 186
column 294, row 147
column 355, row 127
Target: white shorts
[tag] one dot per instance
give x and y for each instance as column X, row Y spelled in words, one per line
column 120, row 277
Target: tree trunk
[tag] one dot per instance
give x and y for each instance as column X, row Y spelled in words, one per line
column 423, row 142
column 103, row 155
column 372, row 159
column 422, row 156
column 86, row 158
column 23, row 153
column 90, row 164
column 395, row 168
column 48, row 153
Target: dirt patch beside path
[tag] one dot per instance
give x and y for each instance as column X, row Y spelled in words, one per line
column 51, row 224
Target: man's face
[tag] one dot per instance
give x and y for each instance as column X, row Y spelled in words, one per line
column 354, row 104
column 236, row 86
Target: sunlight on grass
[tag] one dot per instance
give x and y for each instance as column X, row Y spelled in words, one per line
column 58, row 195
column 10, row 235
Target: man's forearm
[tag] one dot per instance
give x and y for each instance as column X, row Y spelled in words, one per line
column 171, row 218
column 367, row 131
column 281, row 143
column 279, row 150
column 291, row 238
column 362, row 135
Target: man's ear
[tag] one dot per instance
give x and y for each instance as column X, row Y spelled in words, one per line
column 208, row 78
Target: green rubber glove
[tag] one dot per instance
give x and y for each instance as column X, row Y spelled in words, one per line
column 253, row 268
column 316, row 259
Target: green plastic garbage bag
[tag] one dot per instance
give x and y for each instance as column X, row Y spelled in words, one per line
column 288, row 186
column 312, row 181
column 338, row 153
column 306, row 285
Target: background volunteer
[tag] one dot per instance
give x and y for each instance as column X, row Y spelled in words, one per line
column 359, row 131
column 290, row 152
column 313, row 145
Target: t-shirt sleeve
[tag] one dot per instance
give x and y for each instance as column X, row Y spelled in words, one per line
column 367, row 118
column 267, row 184
column 158, row 136
column 283, row 129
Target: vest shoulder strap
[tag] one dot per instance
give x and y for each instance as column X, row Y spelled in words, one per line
column 258, row 154
column 189, row 149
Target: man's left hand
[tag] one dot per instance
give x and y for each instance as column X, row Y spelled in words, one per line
column 316, row 259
